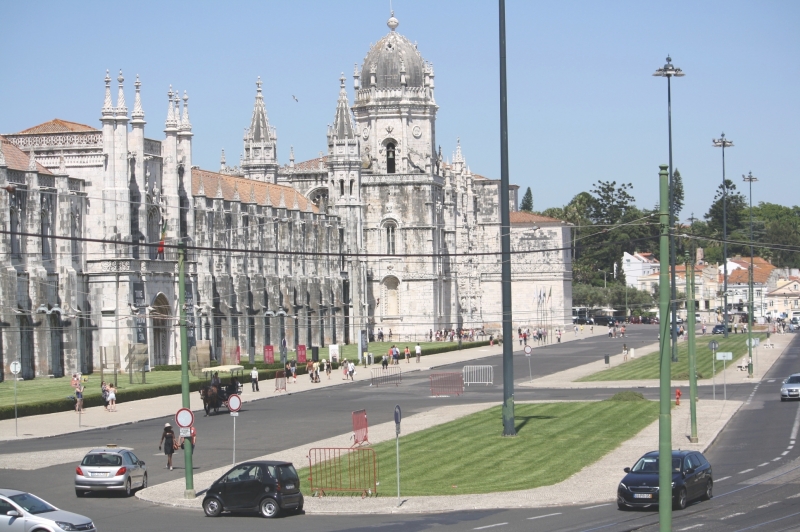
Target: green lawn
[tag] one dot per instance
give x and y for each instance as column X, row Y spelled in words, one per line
column 37, row 390
column 469, row 455
column 647, row 367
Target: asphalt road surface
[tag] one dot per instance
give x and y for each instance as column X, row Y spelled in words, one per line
column 757, row 478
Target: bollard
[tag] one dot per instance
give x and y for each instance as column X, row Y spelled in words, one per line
column 608, row 360
column 678, row 397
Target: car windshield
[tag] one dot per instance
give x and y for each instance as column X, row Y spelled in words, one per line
column 649, row 464
column 32, row 504
column 794, row 379
column 102, row 460
column 283, row 473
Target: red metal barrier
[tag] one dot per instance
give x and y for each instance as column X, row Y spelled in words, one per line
column 386, row 376
column 339, row 470
column 360, row 427
column 447, row 384
column 280, row 381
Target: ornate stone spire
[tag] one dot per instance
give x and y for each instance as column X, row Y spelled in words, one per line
column 458, row 157
column 291, row 156
column 186, row 125
column 122, row 109
column 268, row 197
column 236, row 196
column 392, row 22
column 172, row 122
column 223, row 167
column 138, row 112
column 202, row 190
column 295, row 203
column 259, row 125
column 108, row 106
column 252, row 193
column 343, row 122
column 32, row 162
column 219, row 189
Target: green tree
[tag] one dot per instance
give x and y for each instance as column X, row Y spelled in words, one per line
column 610, row 202
column 527, row 201
column 677, row 193
column 736, row 208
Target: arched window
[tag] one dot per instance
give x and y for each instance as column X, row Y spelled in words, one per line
column 390, row 238
column 390, row 166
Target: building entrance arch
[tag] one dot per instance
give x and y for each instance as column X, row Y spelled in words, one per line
column 162, row 328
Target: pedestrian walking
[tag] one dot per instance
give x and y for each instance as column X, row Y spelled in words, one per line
column 418, row 352
column 112, row 398
column 192, row 439
column 407, row 353
column 344, row 369
column 294, row 370
column 104, row 394
column 351, row 368
column 254, row 379
column 79, row 398
column 169, row 443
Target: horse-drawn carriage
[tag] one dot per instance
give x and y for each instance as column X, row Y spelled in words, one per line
column 215, row 394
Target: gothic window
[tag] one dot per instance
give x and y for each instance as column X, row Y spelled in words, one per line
column 390, row 159
column 391, row 296
column 390, row 238
column 352, row 183
column 341, row 187
column 153, row 235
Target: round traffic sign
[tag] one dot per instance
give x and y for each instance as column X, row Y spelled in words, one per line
column 234, row 403
column 528, row 350
column 713, row 345
column 16, row 367
column 184, row 418
column 397, row 414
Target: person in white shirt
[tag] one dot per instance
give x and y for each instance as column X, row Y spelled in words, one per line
column 418, row 351
column 351, row 370
column 254, row 379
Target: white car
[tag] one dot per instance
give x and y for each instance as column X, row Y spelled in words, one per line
column 24, row 511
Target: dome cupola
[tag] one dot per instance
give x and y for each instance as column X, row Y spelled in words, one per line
column 388, row 58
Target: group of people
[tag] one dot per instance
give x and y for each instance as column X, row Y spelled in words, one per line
column 539, row 334
column 171, row 443
column 348, row 370
column 313, row 369
column 393, row 356
column 107, row 390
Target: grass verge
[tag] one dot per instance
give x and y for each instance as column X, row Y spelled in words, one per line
column 647, row 367
column 469, row 455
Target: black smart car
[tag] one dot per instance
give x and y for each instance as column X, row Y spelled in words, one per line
column 691, row 479
column 267, row 487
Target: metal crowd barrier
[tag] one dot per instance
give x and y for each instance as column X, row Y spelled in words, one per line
column 447, row 384
column 339, row 470
column 280, row 381
column 386, row 376
column 360, row 427
column 478, row 375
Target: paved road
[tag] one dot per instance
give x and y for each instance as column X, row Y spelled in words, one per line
column 756, row 436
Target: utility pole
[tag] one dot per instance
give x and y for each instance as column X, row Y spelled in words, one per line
column 750, row 179
column 505, row 241
column 690, row 329
column 665, row 415
column 723, row 143
column 186, row 402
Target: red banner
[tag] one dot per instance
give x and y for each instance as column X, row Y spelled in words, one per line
column 301, row 354
column 269, row 354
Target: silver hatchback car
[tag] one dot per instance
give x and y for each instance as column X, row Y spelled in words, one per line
column 20, row 510
column 110, row 468
column 790, row 389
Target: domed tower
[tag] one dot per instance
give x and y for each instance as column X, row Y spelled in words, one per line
column 401, row 188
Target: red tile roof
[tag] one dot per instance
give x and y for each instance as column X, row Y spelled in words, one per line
column 17, row 159
column 229, row 183
column 57, row 126
column 522, row 217
column 760, row 275
column 312, row 165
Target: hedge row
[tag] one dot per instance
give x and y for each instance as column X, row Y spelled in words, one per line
column 265, row 372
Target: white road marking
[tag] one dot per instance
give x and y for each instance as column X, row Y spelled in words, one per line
column 732, row 515
column 768, row 504
column 796, row 426
column 721, row 479
column 548, row 515
column 784, row 453
column 792, row 442
column 794, row 496
column 690, row 527
column 790, row 447
column 748, row 470
column 762, row 465
column 776, row 459
column 771, row 380
column 490, row 526
column 596, row 506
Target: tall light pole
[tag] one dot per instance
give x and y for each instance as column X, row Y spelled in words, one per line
column 665, row 406
column 668, row 71
column 723, row 143
column 749, row 178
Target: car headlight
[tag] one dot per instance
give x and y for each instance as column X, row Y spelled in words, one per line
column 65, row 526
column 623, row 486
column 673, row 483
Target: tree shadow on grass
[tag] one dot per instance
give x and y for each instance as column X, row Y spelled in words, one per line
column 526, row 419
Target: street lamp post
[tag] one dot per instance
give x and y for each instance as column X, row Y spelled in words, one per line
column 749, row 178
column 668, row 71
column 723, row 143
column 605, row 278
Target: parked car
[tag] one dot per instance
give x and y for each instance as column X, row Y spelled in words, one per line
column 110, row 468
column 790, row 389
column 265, row 486
column 691, row 479
column 718, row 329
column 20, row 510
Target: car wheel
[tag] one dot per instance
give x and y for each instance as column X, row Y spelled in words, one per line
column 709, row 491
column 680, row 500
column 144, row 481
column 783, row 399
column 79, row 493
column 622, row 507
column 128, row 487
column 212, row 507
column 269, row 507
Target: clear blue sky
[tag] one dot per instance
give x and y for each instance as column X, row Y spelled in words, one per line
column 583, row 105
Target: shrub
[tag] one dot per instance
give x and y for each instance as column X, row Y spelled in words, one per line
column 627, row 396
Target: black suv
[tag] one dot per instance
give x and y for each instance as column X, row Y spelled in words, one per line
column 691, row 479
column 267, row 487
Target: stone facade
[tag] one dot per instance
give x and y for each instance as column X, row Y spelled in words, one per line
column 379, row 231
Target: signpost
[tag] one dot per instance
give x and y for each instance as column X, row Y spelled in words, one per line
column 528, row 350
column 184, row 418
column 713, row 345
column 397, row 416
column 234, row 404
column 16, row 367
column 724, row 356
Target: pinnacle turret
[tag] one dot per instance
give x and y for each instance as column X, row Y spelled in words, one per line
column 108, row 105
column 32, row 162
column 122, row 109
column 186, row 124
column 343, row 122
column 172, row 121
column 138, row 112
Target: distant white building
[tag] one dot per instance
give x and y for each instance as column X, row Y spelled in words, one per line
column 638, row 265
